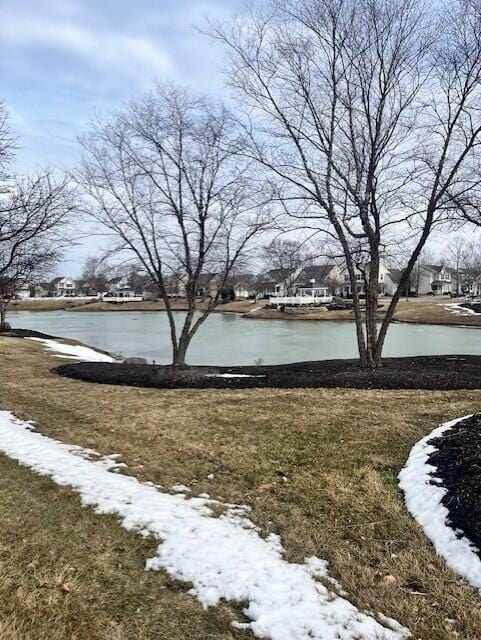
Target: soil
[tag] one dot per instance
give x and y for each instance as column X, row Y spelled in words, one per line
column 426, row 372
column 458, row 461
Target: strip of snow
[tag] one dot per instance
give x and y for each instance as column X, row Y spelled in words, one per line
column 223, row 557
column 423, row 493
column 74, row 351
column 458, row 310
column 232, row 375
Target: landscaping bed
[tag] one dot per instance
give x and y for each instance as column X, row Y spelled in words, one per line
column 426, row 372
column 472, row 306
column 457, row 457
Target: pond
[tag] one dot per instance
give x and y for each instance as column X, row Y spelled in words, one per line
column 229, row 339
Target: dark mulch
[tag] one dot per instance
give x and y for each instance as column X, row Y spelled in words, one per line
column 458, row 461
column 26, row 333
column 429, row 372
column 474, row 306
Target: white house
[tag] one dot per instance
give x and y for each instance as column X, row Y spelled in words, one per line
column 64, row 287
column 23, row 291
column 388, row 281
column 434, row 279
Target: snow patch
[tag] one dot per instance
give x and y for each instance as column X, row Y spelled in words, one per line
column 223, row 557
column 458, row 310
column 423, row 501
column 73, row 351
column 232, row 375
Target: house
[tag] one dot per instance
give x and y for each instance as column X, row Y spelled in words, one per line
column 277, row 282
column 388, row 281
column 431, row 279
column 240, row 286
column 121, row 287
column 86, row 289
column 318, row 280
column 23, row 291
column 63, row 287
column 43, row 290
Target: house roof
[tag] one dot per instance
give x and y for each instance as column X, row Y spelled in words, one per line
column 279, row 275
column 437, row 268
column 57, row 280
column 395, row 275
column 320, row 273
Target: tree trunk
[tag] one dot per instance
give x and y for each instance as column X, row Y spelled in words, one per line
column 3, row 316
column 179, row 352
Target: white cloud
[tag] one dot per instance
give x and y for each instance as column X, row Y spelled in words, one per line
column 102, row 50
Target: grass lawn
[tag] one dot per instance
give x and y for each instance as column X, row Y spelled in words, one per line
column 66, row 573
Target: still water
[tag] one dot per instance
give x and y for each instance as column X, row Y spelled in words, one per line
column 232, row 340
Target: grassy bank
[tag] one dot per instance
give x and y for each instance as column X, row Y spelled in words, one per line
column 68, row 573
column 64, row 304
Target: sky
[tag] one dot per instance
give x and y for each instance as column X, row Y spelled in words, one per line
column 61, row 61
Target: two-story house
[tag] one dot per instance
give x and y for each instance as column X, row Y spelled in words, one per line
column 388, row 281
column 431, row 279
column 318, row 280
column 64, row 287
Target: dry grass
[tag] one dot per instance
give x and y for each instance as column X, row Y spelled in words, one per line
column 59, row 304
column 434, row 311
column 46, row 304
column 340, row 449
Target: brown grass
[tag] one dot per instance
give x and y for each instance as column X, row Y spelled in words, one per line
column 340, row 450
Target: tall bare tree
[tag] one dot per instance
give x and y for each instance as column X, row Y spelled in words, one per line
column 33, row 214
column 164, row 177
column 367, row 113
column 457, row 254
column 287, row 257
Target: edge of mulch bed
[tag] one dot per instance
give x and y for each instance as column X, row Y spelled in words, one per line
column 27, row 333
column 441, row 482
column 473, row 307
column 424, row 372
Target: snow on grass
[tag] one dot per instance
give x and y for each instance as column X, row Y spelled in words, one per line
column 223, row 557
column 459, row 310
column 423, row 493
column 74, row 351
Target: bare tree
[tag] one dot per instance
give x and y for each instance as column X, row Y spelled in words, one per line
column 457, row 253
column 95, row 271
column 287, row 257
column 165, row 179
column 33, row 211
column 366, row 112
column 471, row 266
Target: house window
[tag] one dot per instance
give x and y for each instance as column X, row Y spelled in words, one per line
column 359, row 277
column 346, row 277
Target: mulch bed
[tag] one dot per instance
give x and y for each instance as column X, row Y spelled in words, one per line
column 474, row 306
column 26, row 333
column 426, row 372
column 458, row 461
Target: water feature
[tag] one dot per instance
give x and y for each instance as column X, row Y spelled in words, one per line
column 227, row 339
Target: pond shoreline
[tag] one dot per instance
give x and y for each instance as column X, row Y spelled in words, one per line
column 422, row 311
